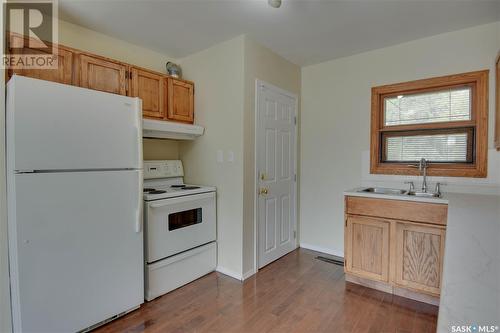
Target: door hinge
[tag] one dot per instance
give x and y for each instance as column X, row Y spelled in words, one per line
column 295, row 120
column 294, row 234
column 295, row 177
column 346, row 222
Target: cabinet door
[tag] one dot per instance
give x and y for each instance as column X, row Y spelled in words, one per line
column 149, row 87
column 102, row 74
column 367, row 247
column 418, row 256
column 180, row 101
column 63, row 73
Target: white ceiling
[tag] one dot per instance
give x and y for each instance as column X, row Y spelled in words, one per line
column 302, row 31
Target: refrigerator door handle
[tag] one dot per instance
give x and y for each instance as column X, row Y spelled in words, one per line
column 138, row 220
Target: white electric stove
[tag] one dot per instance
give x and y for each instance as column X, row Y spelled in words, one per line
column 180, row 228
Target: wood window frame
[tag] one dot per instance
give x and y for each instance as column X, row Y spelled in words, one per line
column 478, row 81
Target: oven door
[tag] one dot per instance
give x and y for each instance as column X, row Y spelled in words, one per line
column 178, row 224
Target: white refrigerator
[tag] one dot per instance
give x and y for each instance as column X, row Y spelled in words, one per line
column 74, row 182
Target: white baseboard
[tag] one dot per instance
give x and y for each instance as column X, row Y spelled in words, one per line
column 229, row 272
column 248, row 274
column 332, row 252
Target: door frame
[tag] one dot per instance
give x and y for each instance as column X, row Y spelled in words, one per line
column 260, row 83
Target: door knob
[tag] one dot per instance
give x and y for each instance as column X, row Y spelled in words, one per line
column 263, row 191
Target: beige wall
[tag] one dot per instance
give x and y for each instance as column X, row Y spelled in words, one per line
column 218, row 75
column 157, row 149
column 263, row 64
column 91, row 41
column 225, row 81
column 336, row 116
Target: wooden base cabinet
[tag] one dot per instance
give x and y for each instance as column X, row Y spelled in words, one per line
column 367, row 244
column 402, row 257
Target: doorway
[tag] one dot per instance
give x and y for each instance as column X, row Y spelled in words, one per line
column 276, row 171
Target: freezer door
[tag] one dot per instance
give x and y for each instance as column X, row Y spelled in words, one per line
column 52, row 126
column 76, row 249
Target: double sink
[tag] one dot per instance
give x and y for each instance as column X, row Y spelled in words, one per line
column 392, row 191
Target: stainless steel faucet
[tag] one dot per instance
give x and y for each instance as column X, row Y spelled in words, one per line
column 422, row 167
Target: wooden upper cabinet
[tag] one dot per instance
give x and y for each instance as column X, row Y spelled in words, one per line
column 63, row 73
column 367, row 247
column 102, row 74
column 180, row 100
column 163, row 97
column 151, row 88
column 419, row 257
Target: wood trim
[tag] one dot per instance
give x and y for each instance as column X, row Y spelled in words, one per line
column 469, row 131
column 478, row 81
column 416, row 295
column 429, row 126
column 395, row 290
column 423, row 212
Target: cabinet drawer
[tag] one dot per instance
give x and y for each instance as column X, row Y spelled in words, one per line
column 398, row 209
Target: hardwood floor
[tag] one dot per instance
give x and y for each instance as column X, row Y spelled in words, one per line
column 296, row 293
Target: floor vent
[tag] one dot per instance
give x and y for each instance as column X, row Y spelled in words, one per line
column 339, row 261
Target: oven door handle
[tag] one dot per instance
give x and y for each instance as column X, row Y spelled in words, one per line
column 187, row 198
column 159, row 205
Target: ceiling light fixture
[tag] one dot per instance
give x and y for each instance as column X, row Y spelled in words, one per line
column 274, row 3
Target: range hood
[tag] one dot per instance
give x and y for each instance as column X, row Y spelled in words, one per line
column 170, row 130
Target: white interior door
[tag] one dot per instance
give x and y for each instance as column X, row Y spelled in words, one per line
column 276, row 172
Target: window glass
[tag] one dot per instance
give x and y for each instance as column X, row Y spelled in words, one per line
column 430, row 107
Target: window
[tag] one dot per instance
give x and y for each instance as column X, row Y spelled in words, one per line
column 444, row 120
column 184, row 219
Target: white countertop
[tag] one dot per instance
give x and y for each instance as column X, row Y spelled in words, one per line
column 355, row 193
column 471, row 274
column 470, row 293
